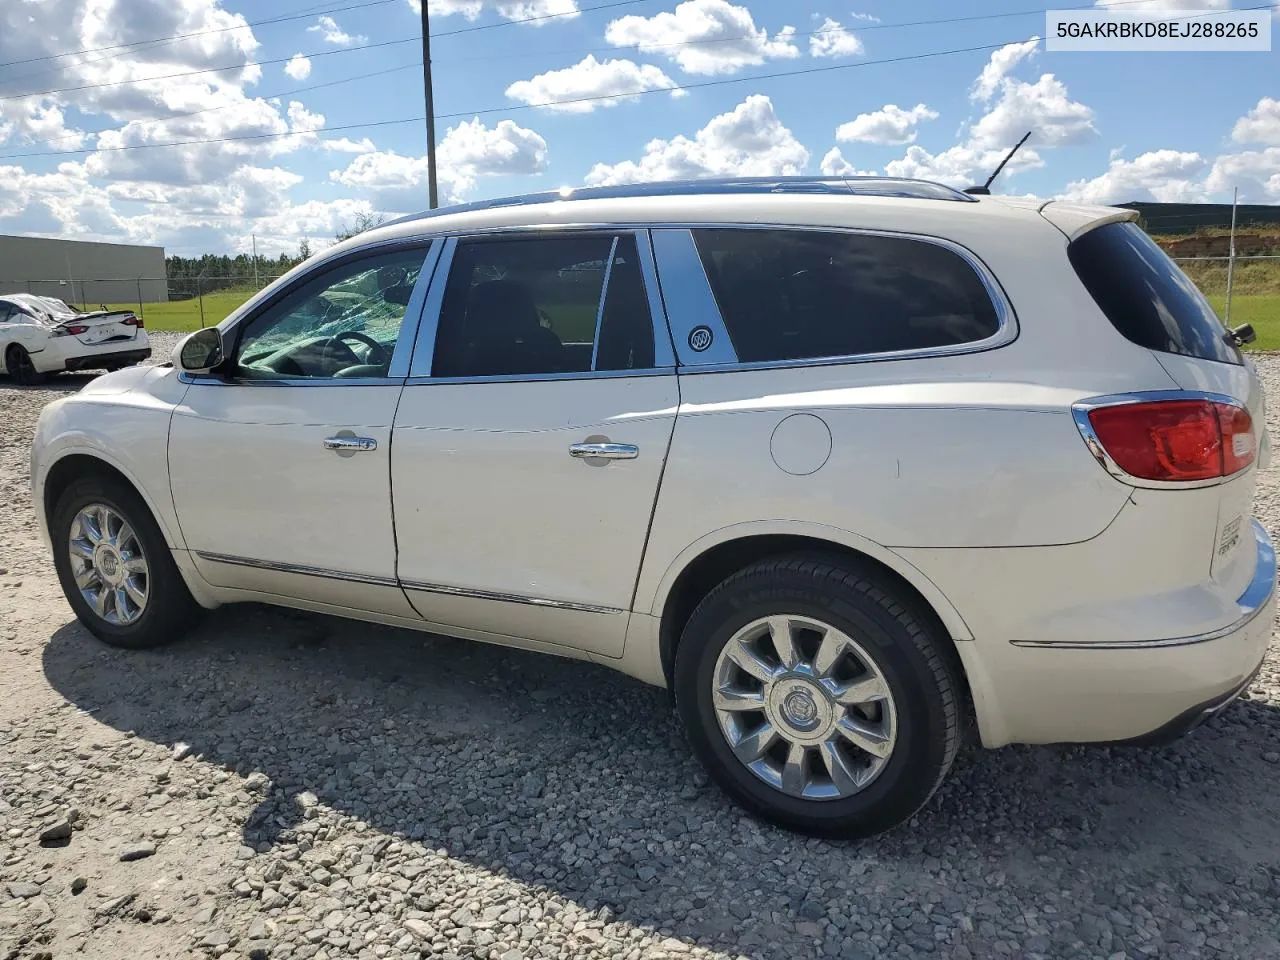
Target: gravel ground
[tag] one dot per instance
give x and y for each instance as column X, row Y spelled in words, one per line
column 286, row 785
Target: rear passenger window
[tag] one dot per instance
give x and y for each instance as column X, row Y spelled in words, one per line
column 1144, row 294
column 545, row 305
column 796, row 295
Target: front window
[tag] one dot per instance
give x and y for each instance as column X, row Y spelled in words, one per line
column 342, row 323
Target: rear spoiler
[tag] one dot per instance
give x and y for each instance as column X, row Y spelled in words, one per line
column 1077, row 219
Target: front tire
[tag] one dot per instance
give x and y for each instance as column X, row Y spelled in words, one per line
column 818, row 696
column 21, row 368
column 115, row 568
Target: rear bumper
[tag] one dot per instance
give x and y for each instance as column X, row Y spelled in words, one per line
column 113, row 358
column 1147, row 690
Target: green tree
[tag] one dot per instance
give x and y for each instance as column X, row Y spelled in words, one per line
column 363, row 222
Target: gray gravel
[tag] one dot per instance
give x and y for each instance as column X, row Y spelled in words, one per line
column 316, row 788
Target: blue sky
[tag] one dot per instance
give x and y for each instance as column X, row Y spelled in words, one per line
column 1108, row 127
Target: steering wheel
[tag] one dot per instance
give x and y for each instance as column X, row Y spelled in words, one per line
column 378, row 354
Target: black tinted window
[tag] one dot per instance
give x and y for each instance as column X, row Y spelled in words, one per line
column 1145, row 296
column 791, row 294
column 536, row 305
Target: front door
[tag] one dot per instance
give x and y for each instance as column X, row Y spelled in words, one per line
column 280, row 465
column 531, row 437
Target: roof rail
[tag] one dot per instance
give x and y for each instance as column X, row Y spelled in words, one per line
column 837, row 186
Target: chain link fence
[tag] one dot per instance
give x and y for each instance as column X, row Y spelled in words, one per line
column 176, row 303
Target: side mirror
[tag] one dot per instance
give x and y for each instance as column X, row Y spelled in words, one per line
column 1242, row 334
column 199, row 352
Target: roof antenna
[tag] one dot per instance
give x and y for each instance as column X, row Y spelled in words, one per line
column 985, row 189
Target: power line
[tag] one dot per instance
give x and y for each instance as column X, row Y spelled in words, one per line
column 551, row 103
column 304, row 14
column 699, row 85
column 227, row 106
column 319, row 53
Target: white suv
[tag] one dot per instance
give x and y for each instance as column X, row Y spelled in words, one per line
column 842, row 463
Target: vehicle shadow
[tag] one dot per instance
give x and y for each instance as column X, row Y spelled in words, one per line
column 60, row 382
column 433, row 739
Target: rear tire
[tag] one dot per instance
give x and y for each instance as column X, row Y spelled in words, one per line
column 18, row 362
column 862, row 726
column 121, row 580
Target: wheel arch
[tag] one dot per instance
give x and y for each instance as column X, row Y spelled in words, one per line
column 716, row 556
column 73, row 464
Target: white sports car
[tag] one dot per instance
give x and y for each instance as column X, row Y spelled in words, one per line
column 42, row 335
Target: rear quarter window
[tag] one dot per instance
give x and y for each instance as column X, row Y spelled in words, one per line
column 1144, row 294
column 804, row 294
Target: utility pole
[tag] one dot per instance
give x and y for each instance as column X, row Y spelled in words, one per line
column 254, row 237
column 433, row 199
column 1231, row 252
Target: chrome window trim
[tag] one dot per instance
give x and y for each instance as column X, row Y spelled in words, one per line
column 398, row 369
column 428, row 328
column 206, row 379
column 604, row 295
column 1080, row 414
column 1006, row 319
column 539, row 377
column 664, row 354
column 446, row 589
column 1251, row 604
column 690, row 302
column 298, row 568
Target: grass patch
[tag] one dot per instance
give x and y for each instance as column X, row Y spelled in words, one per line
column 184, row 315
column 1261, row 310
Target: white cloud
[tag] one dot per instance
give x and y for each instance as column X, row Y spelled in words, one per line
column 618, row 80
column 998, row 67
column 888, row 125
column 332, row 33
column 38, row 120
column 1044, row 107
column 749, row 140
column 1259, row 125
column 834, row 40
column 736, row 41
column 1166, row 176
column 1256, row 173
column 468, row 152
column 344, row 145
column 835, row 165
column 508, row 9
column 298, row 67
column 1145, row 6
column 960, row 166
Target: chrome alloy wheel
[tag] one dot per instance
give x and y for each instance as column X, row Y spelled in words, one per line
column 108, row 564
column 804, row 707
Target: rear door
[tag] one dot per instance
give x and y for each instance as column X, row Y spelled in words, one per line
column 1151, row 302
column 531, row 436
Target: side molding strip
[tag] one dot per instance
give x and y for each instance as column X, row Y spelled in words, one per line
column 504, row 597
column 299, row 569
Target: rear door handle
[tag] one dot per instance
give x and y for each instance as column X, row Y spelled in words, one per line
column 353, row 444
column 604, row 451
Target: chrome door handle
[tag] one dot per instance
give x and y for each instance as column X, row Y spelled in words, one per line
column 604, row 451
column 354, row 444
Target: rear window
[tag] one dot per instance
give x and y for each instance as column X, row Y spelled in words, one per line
column 1145, row 296
column 799, row 294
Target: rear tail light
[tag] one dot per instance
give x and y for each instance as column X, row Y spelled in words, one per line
column 132, row 321
column 72, row 331
column 1175, row 440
